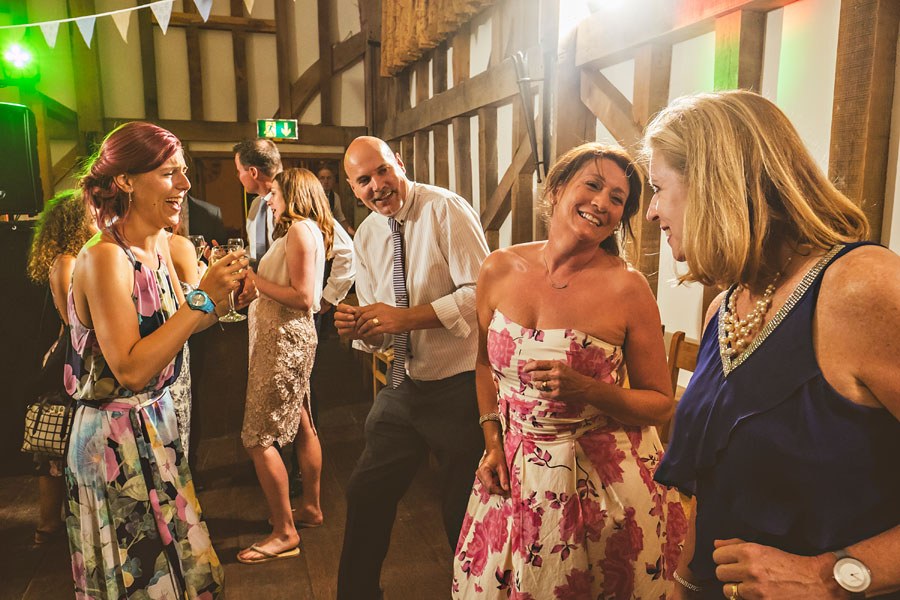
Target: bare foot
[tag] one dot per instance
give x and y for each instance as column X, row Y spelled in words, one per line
column 274, row 544
column 308, row 517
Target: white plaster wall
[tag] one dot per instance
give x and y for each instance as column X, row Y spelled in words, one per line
column 120, row 65
column 262, row 80
column 172, row 76
column 806, row 71
column 57, row 78
column 219, row 91
column 351, row 110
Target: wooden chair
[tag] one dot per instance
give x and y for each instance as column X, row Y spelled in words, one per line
column 682, row 355
column 381, row 368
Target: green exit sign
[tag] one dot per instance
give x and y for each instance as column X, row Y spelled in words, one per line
column 280, row 129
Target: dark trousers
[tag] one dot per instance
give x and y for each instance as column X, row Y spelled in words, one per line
column 403, row 424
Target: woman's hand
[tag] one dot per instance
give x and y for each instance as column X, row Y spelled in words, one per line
column 249, row 293
column 762, row 572
column 224, row 275
column 557, row 380
column 492, row 472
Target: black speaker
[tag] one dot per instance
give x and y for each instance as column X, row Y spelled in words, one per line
column 20, row 174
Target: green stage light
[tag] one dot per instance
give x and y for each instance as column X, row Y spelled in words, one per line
column 18, row 66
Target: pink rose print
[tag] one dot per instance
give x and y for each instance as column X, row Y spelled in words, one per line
column 577, row 586
column 592, row 361
column 464, row 531
column 500, row 346
column 601, row 448
column 570, row 522
column 496, row 523
column 593, row 518
column 676, row 529
column 622, row 548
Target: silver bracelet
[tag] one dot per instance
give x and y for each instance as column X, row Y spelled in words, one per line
column 488, row 417
column 686, row 583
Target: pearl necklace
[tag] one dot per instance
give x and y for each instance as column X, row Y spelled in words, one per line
column 737, row 333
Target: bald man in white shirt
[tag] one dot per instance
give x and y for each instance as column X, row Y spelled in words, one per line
column 418, row 257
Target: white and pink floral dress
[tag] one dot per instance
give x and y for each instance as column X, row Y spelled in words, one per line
column 584, row 519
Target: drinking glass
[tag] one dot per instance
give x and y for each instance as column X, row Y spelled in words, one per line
column 199, row 243
column 219, row 252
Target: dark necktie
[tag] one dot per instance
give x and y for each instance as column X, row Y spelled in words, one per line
column 262, row 241
column 401, row 340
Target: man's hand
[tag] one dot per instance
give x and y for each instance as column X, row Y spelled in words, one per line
column 762, row 572
column 380, row 318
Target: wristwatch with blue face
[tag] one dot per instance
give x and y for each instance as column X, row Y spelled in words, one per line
column 198, row 300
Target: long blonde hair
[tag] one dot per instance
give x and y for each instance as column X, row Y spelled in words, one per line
column 751, row 183
column 63, row 227
column 304, row 198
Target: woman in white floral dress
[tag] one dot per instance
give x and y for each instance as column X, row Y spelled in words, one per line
column 564, row 504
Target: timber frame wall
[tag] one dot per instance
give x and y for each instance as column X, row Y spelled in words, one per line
column 580, row 95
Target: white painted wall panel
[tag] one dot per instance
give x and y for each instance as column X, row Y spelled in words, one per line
column 262, row 79
column 219, row 94
column 172, row 76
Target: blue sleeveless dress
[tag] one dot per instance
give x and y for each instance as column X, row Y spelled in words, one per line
column 772, row 452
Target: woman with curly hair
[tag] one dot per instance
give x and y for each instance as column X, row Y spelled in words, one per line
column 62, row 229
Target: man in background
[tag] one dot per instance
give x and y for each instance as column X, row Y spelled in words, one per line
column 327, row 178
column 257, row 162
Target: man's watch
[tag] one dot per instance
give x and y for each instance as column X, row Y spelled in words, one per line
column 851, row 574
column 199, row 300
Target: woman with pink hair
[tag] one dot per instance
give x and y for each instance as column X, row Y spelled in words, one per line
column 133, row 520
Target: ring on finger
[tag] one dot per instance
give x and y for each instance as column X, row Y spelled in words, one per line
column 376, row 321
column 545, row 387
column 735, row 595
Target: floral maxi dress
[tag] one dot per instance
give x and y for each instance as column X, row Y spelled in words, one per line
column 584, row 519
column 134, row 523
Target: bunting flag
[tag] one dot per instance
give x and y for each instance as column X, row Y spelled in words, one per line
column 203, row 7
column 50, row 30
column 122, row 20
column 163, row 12
column 86, row 27
column 249, row 5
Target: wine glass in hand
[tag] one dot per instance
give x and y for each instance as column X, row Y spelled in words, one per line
column 219, row 252
column 199, row 243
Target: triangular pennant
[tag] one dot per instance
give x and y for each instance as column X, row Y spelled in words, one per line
column 249, row 5
column 122, row 20
column 50, row 30
column 163, row 12
column 203, row 7
column 86, row 27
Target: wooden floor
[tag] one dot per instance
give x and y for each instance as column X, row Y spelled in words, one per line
column 417, row 566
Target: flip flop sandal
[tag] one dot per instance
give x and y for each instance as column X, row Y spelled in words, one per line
column 267, row 556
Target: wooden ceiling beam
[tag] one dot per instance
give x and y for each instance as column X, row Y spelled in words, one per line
column 494, row 86
column 221, row 22
column 611, row 36
column 611, row 108
column 232, row 131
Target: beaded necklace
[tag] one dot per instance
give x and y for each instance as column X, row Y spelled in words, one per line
column 737, row 333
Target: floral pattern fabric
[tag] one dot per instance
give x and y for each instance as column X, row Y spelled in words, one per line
column 133, row 519
column 584, row 519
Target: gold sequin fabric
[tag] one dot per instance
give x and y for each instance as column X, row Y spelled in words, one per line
column 282, row 349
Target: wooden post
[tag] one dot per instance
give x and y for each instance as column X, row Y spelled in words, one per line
column 740, row 39
column 195, row 66
column 652, row 68
column 148, row 63
column 863, row 96
column 462, row 139
column 325, row 52
column 239, row 54
column 521, row 195
column 422, row 169
column 487, row 161
column 282, row 52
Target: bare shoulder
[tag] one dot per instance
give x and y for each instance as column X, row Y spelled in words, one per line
column 506, row 260
column 180, row 244
column 713, row 307
column 860, row 288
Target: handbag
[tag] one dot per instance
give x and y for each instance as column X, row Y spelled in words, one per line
column 48, row 420
column 48, row 423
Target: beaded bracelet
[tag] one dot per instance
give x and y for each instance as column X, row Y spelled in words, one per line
column 686, row 583
column 488, row 417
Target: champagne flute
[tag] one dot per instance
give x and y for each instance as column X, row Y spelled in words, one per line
column 232, row 316
column 199, row 243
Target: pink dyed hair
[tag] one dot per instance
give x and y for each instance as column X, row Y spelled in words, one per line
column 132, row 148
